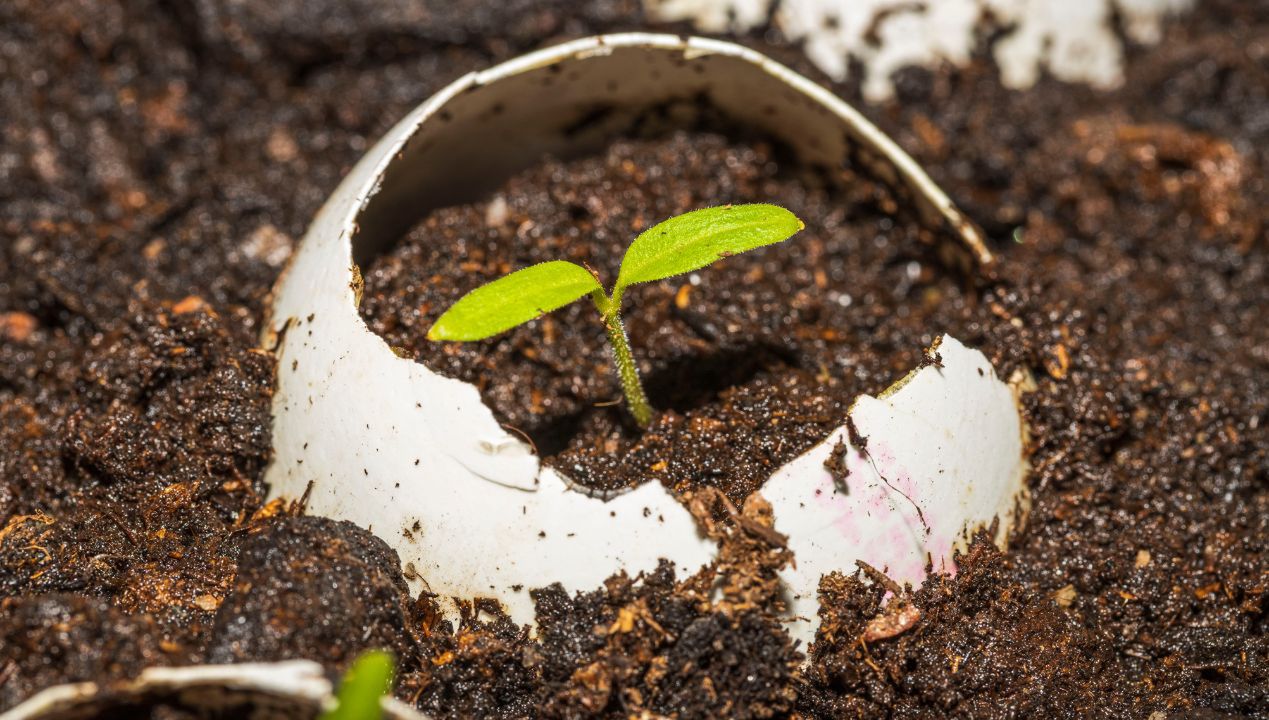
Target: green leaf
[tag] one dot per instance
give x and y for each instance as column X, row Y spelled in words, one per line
column 368, row 680
column 512, row 300
column 693, row 240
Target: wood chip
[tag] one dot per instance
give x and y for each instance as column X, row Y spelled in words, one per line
column 191, row 303
column 1058, row 362
column 897, row 618
column 17, row 326
column 1065, row 596
column 207, row 602
column 683, row 297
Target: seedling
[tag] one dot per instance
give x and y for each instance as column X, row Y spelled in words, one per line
column 679, row 245
column 363, row 686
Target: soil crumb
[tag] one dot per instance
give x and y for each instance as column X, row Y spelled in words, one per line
column 286, row 564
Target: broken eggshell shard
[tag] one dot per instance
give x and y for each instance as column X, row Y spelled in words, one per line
column 418, row 458
column 936, row 456
column 1072, row 41
column 295, row 688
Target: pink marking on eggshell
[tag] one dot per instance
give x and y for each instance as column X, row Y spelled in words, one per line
column 827, row 494
column 905, row 544
column 881, row 454
column 902, row 545
column 901, row 552
column 893, row 485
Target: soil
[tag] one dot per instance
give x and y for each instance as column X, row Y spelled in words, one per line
column 160, row 159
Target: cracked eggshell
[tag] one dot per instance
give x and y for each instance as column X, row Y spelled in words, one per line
column 931, row 460
column 295, row 688
column 417, row 457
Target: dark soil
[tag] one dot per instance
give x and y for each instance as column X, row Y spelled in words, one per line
column 158, row 161
column 302, row 582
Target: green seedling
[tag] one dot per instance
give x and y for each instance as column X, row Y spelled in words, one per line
column 363, row 686
column 679, row 245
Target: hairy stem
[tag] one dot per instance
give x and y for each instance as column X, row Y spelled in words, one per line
column 610, row 310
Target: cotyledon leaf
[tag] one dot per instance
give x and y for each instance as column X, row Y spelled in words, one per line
column 693, row 240
column 363, row 686
column 512, row 300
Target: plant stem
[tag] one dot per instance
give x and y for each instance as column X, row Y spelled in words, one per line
column 610, row 310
